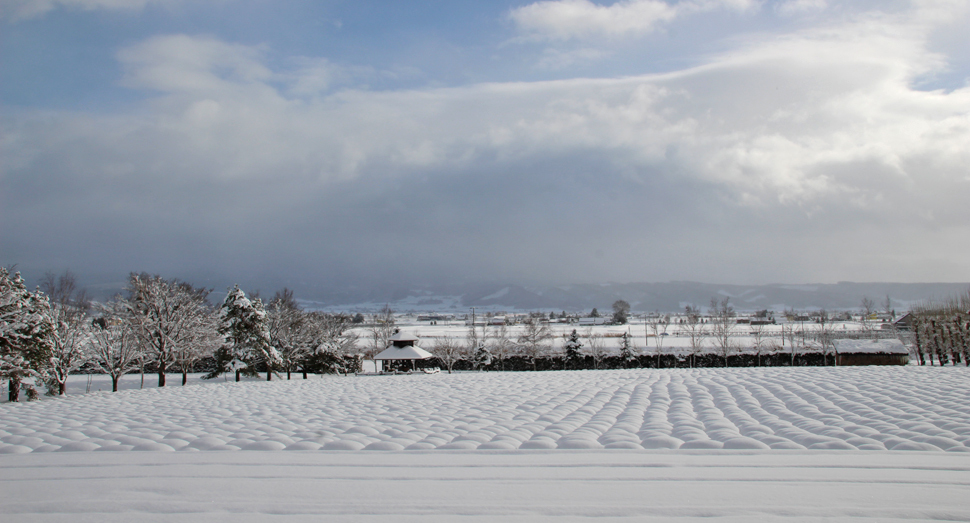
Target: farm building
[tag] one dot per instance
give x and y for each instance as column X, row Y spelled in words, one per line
column 870, row 352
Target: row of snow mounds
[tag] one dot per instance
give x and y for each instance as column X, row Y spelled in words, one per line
column 858, row 408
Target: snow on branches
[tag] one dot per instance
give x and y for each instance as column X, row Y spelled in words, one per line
column 26, row 329
column 243, row 324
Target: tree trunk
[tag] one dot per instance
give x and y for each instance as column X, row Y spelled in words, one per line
column 237, row 374
column 14, row 394
column 287, row 373
column 304, row 373
column 269, row 375
column 114, row 383
column 185, row 377
column 161, row 373
column 62, row 387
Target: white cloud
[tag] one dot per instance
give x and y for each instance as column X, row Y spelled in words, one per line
column 798, row 7
column 820, row 131
column 181, row 63
column 565, row 19
column 25, row 9
column 583, row 19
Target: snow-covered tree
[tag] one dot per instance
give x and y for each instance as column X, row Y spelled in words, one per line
column 532, row 341
column 628, row 352
column 114, row 347
column 722, row 328
column 72, row 332
column 242, row 322
column 203, row 342
column 483, row 357
column 595, row 347
column 658, row 326
column 695, row 331
column 165, row 316
column 867, row 310
column 448, row 351
column 501, row 343
column 26, row 328
column 334, row 344
column 571, row 350
column 291, row 332
column 381, row 328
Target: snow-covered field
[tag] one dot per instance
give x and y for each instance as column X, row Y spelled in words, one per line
column 782, row 443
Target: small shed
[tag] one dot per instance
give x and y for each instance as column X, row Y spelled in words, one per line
column 905, row 322
column 402, row 347
column 870, row 352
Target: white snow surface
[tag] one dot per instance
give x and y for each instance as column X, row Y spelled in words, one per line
column 860, row 443
column 884, row 346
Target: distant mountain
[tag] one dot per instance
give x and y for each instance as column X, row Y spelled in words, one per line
column 664, row 297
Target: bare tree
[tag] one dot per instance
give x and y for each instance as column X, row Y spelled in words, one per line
column 868, row 308
column 658, row 326
column 202, row 342
column 69, row 311
column 824, row 336
column 115, row 345
column 449, row 351
column 381, row 328
column 502, row 345
column 291, row 331
column 695, row 331
column 758, row 333
column 722, row 328
column 595, row 347
column 533, row 340
column 788, row 330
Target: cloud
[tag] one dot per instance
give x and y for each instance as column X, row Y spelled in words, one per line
column 26, row 9
column 560, row 20
column 785, row 158
column 179, row 63
column 799, row 7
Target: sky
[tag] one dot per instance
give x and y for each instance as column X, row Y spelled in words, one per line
column 319, row 144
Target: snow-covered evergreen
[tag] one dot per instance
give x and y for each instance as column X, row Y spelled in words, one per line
column 483, row 357
column 26, row 329
column 627, row 351
column 572, row 348
column 243, row 324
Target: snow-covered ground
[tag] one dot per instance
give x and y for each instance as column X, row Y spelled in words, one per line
column 881, row 443
column 675, row 341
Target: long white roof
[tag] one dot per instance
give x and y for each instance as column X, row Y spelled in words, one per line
column 885, row 346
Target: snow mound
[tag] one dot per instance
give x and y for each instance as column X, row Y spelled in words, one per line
column 763, row 409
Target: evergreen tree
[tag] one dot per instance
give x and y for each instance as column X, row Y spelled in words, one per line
column 26, row 328
column 627, row 350
column 572, row 349
column 243, row 324
column 483, row 358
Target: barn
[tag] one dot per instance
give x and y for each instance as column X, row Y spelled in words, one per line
column 870, row 352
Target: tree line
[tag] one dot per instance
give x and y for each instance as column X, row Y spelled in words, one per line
column 713, row 342
column 161, row 324
column 941, row 331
